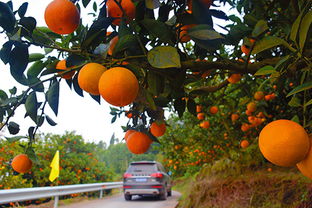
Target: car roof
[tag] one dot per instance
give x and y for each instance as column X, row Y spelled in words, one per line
column 144, row 162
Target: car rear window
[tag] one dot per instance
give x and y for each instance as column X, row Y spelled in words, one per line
column 137, row 168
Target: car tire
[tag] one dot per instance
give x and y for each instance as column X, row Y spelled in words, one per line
column 170, row 193
column 128, row 197
column 163, row 195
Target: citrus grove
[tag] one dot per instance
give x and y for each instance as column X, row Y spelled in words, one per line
column 231, row 83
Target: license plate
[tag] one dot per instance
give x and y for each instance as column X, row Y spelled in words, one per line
column 140, row 179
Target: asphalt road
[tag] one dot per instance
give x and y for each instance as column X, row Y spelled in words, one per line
column 118, row 201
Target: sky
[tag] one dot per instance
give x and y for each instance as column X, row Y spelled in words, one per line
column 80, row 114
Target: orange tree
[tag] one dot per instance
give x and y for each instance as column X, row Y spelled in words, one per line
column 172, row 52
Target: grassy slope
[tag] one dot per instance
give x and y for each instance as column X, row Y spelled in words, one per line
column 281, row 188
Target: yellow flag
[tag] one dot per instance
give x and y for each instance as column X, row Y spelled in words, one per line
column 55, row 165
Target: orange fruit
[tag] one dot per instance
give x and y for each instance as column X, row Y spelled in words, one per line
column 269, row 169
column 138, row 142
column 234, row 117
column 158, row 129
column 245, row 49
column 129, row 114
column 118, row 86
column 61, row 65
column 305, row 165
column 199, row 108
column 234, row 78
column 252, row 107
column 62, row 16
column 113, row 10
column 259, row 95
column 213, row 110
column 244, row 143
column 284, row 142
column 112, row 45
column 128, row 133
column 89, row 76
column 183, row 36
column 200, row 116
column 245, row 127
column 21, row 163
column 204, row 124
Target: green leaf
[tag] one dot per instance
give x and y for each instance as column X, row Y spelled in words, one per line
column 265, row 70
column 94, row 6
column 300, row 88
column 7, row 18
column 304, row 28
column 3, row 96
column 32, row 155
column 124, row 42
column 18, row 62
column 267, row 43
column 13, row 91
column 13, row 128
column 155, row 83
column 191, row 106
column 35, row 69
column 150, row 100
column 294, row 102
column 260, row 28
column 308, row 103
column 50, row 121
column 296, row 119
column 179, row 105
column 152, row 4
column 204, row 32
column 85, row 3
column 14, row 139
column 22, row 9
column 295, row 27
column 164, row 57
column 31, row 106
column 53, row 96
column 158, row 29
column 35, row 57
column 5, row 52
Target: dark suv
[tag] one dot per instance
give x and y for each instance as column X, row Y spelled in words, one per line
column 146, row 178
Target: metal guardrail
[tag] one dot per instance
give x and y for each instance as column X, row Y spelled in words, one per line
column 24, row 194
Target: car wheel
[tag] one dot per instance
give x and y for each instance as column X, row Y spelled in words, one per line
column 170, row 193
column 128, row 197
column 163, row 195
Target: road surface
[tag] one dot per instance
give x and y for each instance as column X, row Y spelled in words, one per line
column 118, row 201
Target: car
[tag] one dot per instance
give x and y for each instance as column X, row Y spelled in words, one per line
column 146, row 178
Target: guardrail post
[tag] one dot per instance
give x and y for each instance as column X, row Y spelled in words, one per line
column 56, row 199
column 101, row 193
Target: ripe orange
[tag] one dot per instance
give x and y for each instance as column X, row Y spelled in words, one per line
column 118, row 86
column 234, row 78
column 158, row 129
column 259, row 95
column 213, row 110
column 61, row 65
column 112, row 45
column 252, row 107
column 284, row 142
column 244, row 143
column 200, row 116
column 183, row 36
column 113, row 10
column 245, row 49
column 199, row 108
column 128, row 133
column 62, row 16
column 245, row 127
column 234, row 117
column 204, row 124
column 129, row 114
column 89, row 76
column 138, row 142
column 305, row 166
column 21, row 163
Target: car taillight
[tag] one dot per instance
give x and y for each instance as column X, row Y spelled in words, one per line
column 160, row 186
column 127, row 175
column 157, row 175
column 126, row 187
